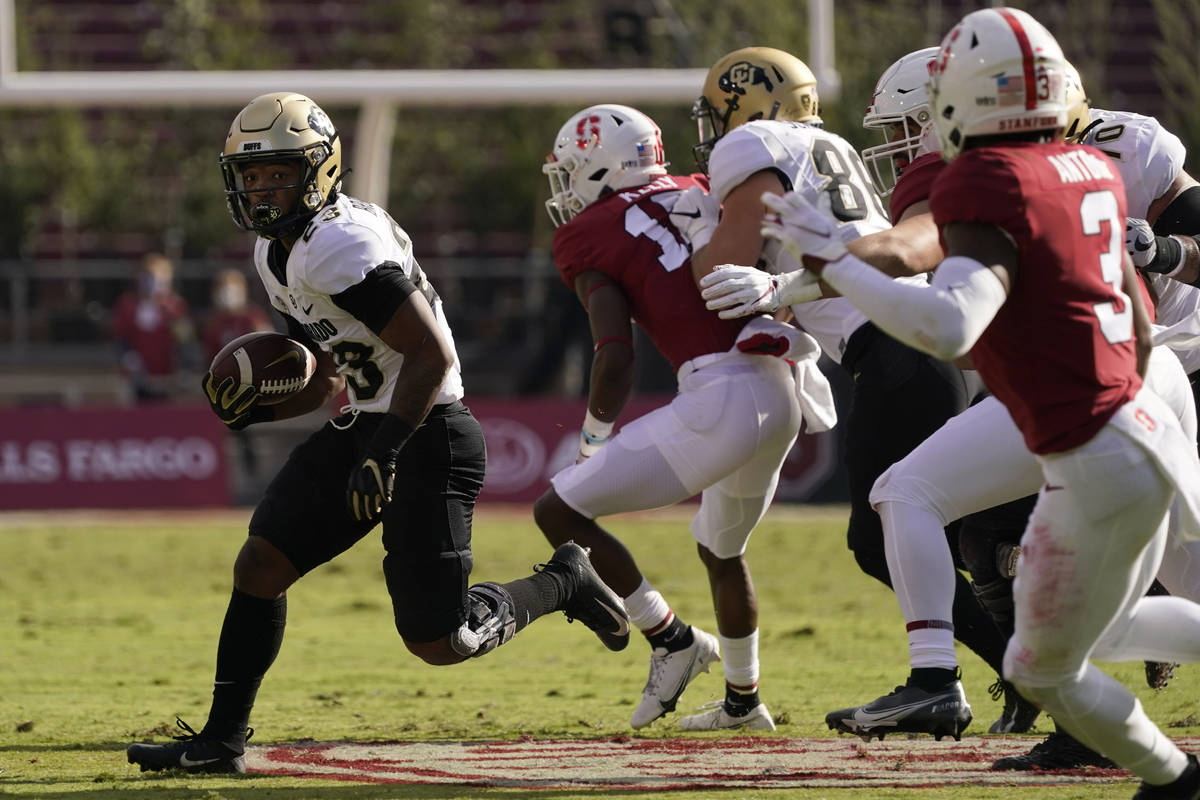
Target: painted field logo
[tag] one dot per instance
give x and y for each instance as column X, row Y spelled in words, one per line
column 660, row 764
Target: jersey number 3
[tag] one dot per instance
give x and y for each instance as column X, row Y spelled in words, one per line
column 1116, row 318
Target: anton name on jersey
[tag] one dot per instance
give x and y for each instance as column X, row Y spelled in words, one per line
column 1080, row 165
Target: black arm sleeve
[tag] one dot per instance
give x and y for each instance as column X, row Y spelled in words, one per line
column 376, row 297
column 1182, row 216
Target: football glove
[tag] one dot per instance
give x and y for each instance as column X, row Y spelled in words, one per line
column 373, row 480
column 1160, row 254
column 1139, row 241
column 803, row 228
column 735, row 291
column 695, row 215
column 236, row 406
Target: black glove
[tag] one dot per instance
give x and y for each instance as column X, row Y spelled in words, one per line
column 236, row 406
column 372, row 480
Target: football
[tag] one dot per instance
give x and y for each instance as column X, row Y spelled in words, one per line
column 276, row 366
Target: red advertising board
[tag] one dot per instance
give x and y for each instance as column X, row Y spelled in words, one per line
column 176, row 456
column 146, row 457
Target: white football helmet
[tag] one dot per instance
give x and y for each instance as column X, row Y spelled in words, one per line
column 600, row 149
column 999, row 71
column 900, row 111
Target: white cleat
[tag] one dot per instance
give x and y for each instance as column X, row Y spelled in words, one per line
column 670, row 673
column 716, row 718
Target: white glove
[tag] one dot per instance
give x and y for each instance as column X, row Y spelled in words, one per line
column 742, row 291
column 695, row 215
column 1139, row 241
column 803, row 229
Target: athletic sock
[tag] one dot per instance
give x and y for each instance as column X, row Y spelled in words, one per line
column 673, row 635
column 647, row 608
column 931, row 679
column 250, row 639
column 535, row 596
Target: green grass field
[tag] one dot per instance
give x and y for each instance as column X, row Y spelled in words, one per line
column 110, row 622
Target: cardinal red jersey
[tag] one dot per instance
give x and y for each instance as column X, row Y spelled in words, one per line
column 915, row 183
column 628, row 236
column 1060, row 352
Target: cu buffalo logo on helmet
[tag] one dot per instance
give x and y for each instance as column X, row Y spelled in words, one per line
column 320, row 122
column 743, row 74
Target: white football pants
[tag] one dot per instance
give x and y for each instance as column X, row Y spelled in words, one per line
column 725, row 435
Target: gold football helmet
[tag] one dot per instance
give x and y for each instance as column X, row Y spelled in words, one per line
column 748, row 84
column 1078, row 105
column 275, row 128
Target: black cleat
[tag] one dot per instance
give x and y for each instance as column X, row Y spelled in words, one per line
column 908, row 709
column 588, row 599
column 1059, row 750
column 1159, row 673
column 193, row 752
column 1185, row 787
column 1019, row 714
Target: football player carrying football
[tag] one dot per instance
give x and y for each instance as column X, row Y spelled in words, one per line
column 620, row 247
column 406, row 452
column 1038, row 287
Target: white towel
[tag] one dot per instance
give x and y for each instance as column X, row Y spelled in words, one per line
column 812, row 387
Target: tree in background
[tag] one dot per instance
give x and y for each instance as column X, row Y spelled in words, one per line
column 1177, row 67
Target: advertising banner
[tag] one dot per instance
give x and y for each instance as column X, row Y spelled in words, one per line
column 145, row 457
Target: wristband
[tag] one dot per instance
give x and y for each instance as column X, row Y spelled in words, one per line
column 595, row 431
column 254, row 416
column 1168, row 256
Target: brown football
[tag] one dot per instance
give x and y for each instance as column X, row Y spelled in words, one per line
column 276, row 366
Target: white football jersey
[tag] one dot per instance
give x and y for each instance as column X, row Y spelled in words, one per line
column 1149, row 158
column 344, row 243
column 829, row 173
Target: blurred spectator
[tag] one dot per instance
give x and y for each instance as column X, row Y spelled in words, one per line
column 232, row 313
column 152, row 327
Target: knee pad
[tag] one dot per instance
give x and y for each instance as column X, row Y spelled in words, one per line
column 989, row 552
column 490, row 621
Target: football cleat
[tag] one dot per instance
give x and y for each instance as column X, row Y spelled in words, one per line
column 670, row 673
column 908, row 709
column 1059, row 750
column 1019, row 714
column 1159, row 673
column 716, row 717
column 588, row 599
column 193, row 752
column 1185, row 787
